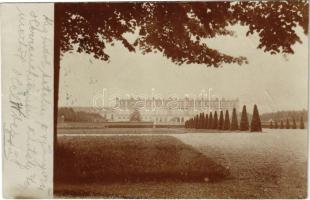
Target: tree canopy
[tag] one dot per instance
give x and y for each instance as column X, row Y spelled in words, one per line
column 178, row 30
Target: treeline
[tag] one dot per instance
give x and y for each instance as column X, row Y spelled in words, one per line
column 212, row 121
column 283, row 115
column 289, row 124
column 70, row 115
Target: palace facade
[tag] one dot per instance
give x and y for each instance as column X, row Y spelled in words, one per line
column 170, row 111
column 166, row 111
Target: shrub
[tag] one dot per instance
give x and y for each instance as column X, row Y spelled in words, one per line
column 227, row 121
column 234, row 121
column 281, row 124
column 256, row 125
column 210, row 123
column 221, row 121
column 294, row 126
column 244, row 122
column 215, row 121
column 206, row 122
column 302, row 125
column 201, row 120
column 287, row 126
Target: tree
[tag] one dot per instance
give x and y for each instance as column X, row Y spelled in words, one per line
column 215, row 121
column 244, row 122
column 256, row 125
column 191, row 124
column 276, row 125
column 135, row 116
column 177, row 30
column 196, row 121
column 210, row 123
column 271, row 125
column 277, row 116
column 287, row 126
column 188, row 123
column 302, row 125
column 221, row 121
column 206, row 122
column 234, row 121
column 294, row 126
column 227, row 121
column 281, row 124
column 201, row 120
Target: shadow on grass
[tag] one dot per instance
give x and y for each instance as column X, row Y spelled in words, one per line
column 107, row 159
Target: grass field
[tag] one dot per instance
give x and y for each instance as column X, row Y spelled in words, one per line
column 122, row 131
column 272, row 164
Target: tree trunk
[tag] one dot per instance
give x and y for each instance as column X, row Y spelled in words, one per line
column 57, row 32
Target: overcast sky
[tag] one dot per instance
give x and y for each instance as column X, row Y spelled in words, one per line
column 273, row 82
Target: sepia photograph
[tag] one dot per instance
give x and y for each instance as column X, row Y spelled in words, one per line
column 181, row 99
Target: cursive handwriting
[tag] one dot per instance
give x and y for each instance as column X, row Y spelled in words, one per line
column 28, row 127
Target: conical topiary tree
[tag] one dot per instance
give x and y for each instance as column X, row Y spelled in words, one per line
column 202, row 121
column 256, row 125
column 276, row 125
column 234, row 121
column 193, row 122
column 244, row 122
column 199, row 121
column 226, row 121
column 302, row 125
column 281, row 124
column 271, row 125
column 206, row 122
column 210, row 123
column 294, row 125
column 196, row 121
column 287, row 126
column 215, row 121
column 221, row 121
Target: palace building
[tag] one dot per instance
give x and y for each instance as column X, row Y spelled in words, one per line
column 172, row 111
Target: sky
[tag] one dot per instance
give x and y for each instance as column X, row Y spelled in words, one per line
column 273, row 82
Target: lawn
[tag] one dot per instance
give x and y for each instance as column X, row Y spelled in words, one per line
column 126, row 131
column 272, row 164
column 107, row 159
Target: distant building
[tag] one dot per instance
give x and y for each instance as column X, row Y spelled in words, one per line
column 162, row 111
column 166, row 111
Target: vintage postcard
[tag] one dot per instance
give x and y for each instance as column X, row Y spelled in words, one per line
column 182, row 99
